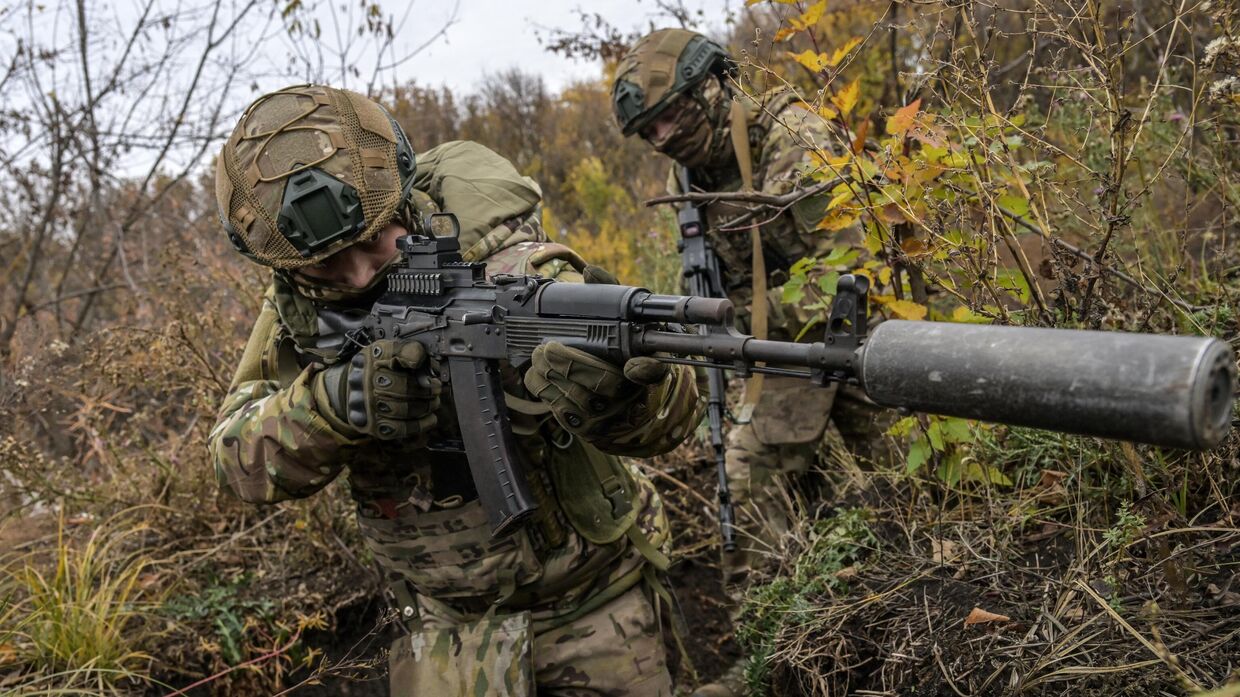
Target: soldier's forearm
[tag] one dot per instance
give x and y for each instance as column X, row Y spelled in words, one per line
column 272, row 444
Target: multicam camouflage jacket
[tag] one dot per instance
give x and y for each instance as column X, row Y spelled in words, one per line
column 599, row 519
column 781, row 133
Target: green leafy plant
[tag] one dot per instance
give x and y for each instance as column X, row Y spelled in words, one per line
column 946, row 442
column 228, row 612
column 831, row 546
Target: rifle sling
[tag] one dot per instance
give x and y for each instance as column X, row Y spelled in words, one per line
column 758, row 309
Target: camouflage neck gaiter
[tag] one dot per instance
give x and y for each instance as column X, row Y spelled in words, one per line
column 699, row 137
column 330, row 293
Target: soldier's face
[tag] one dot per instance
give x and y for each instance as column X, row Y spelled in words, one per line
column 357, row 265
column 682, row 132
column 659, row 130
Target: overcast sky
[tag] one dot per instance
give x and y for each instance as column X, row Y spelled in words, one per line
column 487, row 36
column 494, row 35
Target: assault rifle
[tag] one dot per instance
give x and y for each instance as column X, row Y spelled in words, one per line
column 704, row 278
column 1163, row 390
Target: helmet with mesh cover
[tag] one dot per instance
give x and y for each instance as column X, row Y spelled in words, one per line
column 308, row 171
column 661, row 66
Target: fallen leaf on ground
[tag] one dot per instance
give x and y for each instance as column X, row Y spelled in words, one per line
column 944, row 551
column 980, row 616
column 1051, row 477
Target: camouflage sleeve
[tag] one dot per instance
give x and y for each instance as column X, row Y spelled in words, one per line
column 786, row 162
column 270, row 443
column 785, row 157
column 656, row 422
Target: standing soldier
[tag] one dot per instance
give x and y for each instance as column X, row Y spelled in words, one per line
column 672, row 90
column 318, row 183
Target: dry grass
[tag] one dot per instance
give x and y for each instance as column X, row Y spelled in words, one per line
column 79, row 626
column 1116, row 566
column 1099, row 590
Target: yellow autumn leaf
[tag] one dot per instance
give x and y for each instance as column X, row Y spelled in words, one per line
column 809, row 59
column 839, row 53
column 839, row 199
column 832, row 162
column 923, row 173
column 826, row 112
column 873, row 240
column 823, row 110
column 904, row 309
column 812, row 15
column 805, row 21
column 964, row 314
column 902, row 120
column 838, row 220
column 847, row 97
column 884, row 275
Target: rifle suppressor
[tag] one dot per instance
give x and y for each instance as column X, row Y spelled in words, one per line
column 1172, row 391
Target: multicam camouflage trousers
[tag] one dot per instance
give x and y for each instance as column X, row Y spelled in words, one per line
column 793, row 427
column 613, row 651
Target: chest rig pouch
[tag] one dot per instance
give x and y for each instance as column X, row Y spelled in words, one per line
column 417, row 510
column 791, row 411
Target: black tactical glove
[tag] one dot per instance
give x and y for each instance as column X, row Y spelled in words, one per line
column 386, row 391
column 582, row 390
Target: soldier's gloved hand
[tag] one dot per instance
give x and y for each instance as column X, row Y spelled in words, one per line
column 386, row 391
column 584, row 391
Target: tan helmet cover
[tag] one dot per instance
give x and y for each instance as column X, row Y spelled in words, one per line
column 281, row 139
column 660, row 66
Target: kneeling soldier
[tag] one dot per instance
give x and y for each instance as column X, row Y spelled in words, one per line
column 318, row 184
